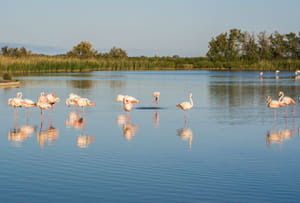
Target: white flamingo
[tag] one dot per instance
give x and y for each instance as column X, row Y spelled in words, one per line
column 43, row 103
column 187, row 104
column 16, row 102
column 274, row 104
column 27, row 103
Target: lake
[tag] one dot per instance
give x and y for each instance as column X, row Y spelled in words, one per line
column 229, row 147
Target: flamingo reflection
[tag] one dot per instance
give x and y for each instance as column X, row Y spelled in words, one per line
column 18, row 135
column 75, row 121
column 47, row 136
column 279, row 136
column 83, row 141
column 156, row 119
column 128, row 129
column 186, row 134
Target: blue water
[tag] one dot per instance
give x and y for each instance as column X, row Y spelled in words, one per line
column 227, row 148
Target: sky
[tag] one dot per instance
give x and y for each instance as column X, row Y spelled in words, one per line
column 141, row 27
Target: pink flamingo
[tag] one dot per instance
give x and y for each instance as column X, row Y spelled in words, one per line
column 286, row 100
column 276, row 74
column 127, row 105
column 296, row 74
column 27, row 103
column 16, row 102
column 70, row 100
column 83, row 102
column 274, row 104
column 186, row 105
column 131, row 99
column 156, row 97
column 52, row 99
column 261, row 74
column 43, row 103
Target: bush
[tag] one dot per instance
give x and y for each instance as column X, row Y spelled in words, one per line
column 7, row 76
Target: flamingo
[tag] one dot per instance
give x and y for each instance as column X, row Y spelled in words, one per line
column 52, row 99
column 27, row 103
column 285, row 99
column 276, row 74
column 131, row 99
column 16, row 102
column 127, row 105
column 274, row 104
column 70, row 100
column 156, row 97
column 261, row 74
column 296, row 74
column 43, row 104
column 187, row 104
column 83, row 102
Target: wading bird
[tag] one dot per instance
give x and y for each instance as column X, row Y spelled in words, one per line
column 156, row 97
column 127, row 105
column 16, row 102
column 187, row 104
column 274, row 104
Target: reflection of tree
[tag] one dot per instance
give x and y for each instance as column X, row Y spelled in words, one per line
column 241, row 91
column 81, row 84
column 245, row 93
column 88, row 84
column 117, row 83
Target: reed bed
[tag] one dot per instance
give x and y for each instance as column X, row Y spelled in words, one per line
column 68, row 64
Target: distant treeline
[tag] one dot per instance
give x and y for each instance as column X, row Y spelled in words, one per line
column 234, row 50
column 236, row 45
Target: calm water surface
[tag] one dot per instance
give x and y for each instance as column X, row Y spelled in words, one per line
column 229, row 148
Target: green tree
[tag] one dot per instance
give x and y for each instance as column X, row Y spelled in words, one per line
column 217, row 48
column 234, row 44
column 291, row 44
column 264, row 47
column 278, row 45
column 117, row 53
column 249, row 47
column 83, row 50
column 226, row 46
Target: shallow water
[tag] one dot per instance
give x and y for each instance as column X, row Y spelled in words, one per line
column 228, row 147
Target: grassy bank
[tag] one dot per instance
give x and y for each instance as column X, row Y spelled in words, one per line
column 68, row 64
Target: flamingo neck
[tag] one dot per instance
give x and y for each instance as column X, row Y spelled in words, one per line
column 281, row 97
column 191, row 101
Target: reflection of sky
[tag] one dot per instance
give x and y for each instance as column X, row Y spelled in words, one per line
column 229, row 124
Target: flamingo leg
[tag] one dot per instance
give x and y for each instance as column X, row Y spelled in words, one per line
column 15, row 117
column 274, row 119
column 27, row 120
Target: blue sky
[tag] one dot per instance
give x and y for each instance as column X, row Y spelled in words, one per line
column 156, row 27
